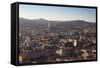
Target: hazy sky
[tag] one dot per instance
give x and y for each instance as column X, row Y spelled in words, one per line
column 57, row 13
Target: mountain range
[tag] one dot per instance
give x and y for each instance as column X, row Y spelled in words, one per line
column 55, row 25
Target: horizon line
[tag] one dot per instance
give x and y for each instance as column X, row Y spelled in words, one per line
column 56, row 20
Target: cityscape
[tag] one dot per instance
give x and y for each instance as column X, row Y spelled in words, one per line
column 53, row 38
column 42, row 41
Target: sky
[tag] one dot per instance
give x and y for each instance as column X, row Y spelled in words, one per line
column 57, row 13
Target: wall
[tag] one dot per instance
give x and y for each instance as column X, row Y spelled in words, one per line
column 5, row 34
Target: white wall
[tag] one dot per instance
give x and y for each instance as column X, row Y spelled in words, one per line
column 5, row 34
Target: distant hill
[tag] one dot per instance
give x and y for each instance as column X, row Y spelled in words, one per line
column 55, row 25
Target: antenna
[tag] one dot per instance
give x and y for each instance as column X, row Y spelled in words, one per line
column 49, row 26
